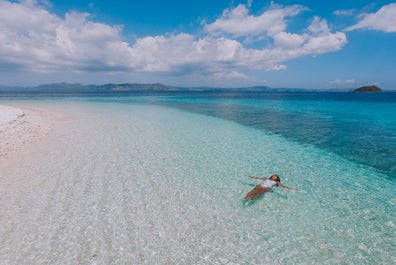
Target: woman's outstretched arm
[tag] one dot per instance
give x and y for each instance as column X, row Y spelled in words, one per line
column 260, row 178
column 286, row 187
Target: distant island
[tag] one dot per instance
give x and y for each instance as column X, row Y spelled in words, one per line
column 368, row 89
column 126, row 89
column 67, row 89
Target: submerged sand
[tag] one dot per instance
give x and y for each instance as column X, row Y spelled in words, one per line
column 143, row 184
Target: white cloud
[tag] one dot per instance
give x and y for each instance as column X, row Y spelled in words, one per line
column 34, row 40
column 317, row 40
column 289, row 40
column 231, row 75
column 321, row 39
column 238, row 22
column 319, row 27
column 223, row 56
column 344, row 12
column 384, row 20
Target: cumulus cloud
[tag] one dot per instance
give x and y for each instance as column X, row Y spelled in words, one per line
column 238, row 22
column 35, row 40
column 384, row 20
column 39, row 41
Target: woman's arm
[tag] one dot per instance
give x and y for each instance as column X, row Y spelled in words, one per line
column 263, row 178
column 286, row 187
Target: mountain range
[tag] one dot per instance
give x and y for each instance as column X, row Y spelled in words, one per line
column 134, row 88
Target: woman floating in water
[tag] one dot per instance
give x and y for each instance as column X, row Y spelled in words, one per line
column 265, row 186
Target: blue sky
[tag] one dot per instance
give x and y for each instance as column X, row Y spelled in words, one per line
column 301, row 43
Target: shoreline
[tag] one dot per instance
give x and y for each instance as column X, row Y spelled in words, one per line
column 22, row 128
column 25, row 133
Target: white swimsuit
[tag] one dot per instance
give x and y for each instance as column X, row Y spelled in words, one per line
column 268, row 183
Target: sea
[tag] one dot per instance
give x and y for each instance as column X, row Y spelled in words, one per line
column 160, row 179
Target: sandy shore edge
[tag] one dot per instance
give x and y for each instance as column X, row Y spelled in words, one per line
column 21, row 129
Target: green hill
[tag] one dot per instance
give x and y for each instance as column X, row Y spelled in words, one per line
column 368, row 89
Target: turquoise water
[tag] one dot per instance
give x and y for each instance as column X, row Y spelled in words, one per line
column 358, row 127
column 158, row 180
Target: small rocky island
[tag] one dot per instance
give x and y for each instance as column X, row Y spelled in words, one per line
column 368, row 89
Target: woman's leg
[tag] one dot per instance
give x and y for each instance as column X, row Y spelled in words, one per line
column 253, row 191
column 261, row 191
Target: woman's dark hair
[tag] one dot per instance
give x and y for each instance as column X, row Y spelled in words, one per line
column 277, row 178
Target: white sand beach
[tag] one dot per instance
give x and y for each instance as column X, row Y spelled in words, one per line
column 19, row 129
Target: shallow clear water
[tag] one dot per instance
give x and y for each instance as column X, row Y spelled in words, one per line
column 159, row 181
column 360, row 127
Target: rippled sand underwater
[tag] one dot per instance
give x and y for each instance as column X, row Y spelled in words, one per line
column 133, row 183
